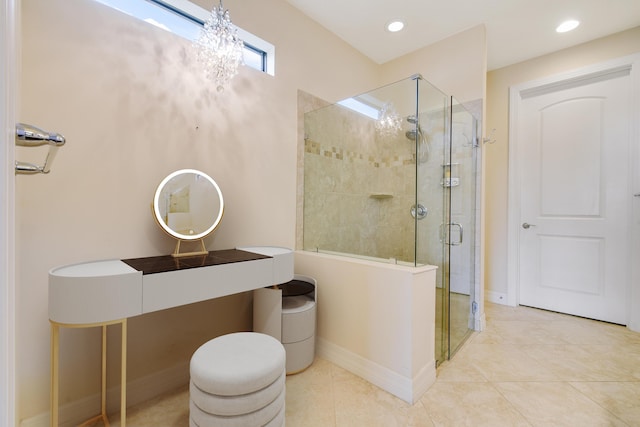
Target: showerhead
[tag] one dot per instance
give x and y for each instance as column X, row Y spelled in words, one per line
column 421, row 140
column 412, row 134
column 415, row 131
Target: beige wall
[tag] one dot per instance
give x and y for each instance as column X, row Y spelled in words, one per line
column 497, row 155
column 134, row 107
column 457, row 65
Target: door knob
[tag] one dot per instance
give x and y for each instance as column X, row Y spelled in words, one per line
column 527, row 226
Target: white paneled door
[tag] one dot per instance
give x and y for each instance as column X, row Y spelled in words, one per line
column 575, row 152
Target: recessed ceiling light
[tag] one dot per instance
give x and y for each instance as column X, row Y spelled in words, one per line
column 395, row 26
column 568, row 25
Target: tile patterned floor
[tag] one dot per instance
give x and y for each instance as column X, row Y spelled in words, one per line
column 529, row 368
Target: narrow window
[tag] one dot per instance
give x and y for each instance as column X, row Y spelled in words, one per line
column 186, row 19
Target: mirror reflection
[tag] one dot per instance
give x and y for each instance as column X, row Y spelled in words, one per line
column 188, row 204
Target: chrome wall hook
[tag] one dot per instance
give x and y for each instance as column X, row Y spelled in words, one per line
column 31, row 136
column 491, row 138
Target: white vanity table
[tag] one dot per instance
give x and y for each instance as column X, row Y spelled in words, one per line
column 103, row 293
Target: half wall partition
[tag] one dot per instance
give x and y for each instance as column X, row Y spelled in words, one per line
column 390, row 176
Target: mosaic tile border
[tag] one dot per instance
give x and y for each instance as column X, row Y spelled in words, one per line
column 313, row 147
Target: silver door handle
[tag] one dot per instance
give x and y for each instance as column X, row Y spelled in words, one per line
column 459, row 242
column 444, row 233
column 527, row 226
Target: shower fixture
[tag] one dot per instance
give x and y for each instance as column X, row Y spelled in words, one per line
column 412, row 134
column 415, row 135
column 419, row 212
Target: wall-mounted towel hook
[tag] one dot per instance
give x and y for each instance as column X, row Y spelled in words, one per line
column 31, row 136
column 491, row 138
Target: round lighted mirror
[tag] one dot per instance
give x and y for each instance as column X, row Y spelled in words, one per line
column 188, row 204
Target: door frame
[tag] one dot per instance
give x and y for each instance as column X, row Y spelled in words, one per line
column 8, row 52
column 575, row 77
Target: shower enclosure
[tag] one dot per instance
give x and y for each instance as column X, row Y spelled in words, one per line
column 390, row 176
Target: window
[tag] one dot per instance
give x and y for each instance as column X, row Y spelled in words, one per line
column 186, row 19
column 360, row 107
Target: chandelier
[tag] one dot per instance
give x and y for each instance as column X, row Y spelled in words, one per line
column 389, row 121
column 218, row 47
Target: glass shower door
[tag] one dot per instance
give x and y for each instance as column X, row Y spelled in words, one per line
column 447, row 187
column 459, row 182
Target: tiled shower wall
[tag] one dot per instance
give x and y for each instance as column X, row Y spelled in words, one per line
column 356, row 188
column 367, row 180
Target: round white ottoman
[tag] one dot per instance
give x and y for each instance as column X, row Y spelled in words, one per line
column 238, row 380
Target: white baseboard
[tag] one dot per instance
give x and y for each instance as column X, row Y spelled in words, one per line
column 423, row 381
column 480, row 322
column 138, row 391
column 496, row 297
column 405, row 388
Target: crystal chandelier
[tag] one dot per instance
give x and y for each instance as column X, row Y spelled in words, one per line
column 218, row 48
column 389, row 122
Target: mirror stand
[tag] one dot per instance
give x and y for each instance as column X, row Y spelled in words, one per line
column 177, row 254
column 188, row 205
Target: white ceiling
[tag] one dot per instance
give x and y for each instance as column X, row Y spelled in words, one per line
column 517, row 30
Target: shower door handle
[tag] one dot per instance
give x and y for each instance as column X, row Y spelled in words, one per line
column 459, row 242
column 445, row 237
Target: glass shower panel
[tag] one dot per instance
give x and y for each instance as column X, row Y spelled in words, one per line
column 460, row 180
column 360, row 161
column 433, row 114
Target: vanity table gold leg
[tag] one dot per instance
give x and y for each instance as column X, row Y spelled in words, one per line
column 54, row 373
column 103, row 394
column 123, row 374
column 55, row 379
